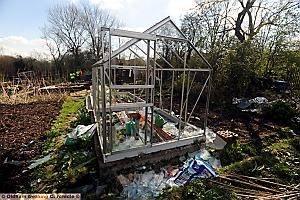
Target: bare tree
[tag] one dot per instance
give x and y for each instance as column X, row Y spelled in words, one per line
column 56, row 48
column 246, row 18
column 212, row 24
column 75, row 30
column 93, row 19
column 65, row 23
column 1, row 50
column 254, row 15
column 206, row 28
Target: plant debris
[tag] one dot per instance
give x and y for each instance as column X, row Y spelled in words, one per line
column 258, row 188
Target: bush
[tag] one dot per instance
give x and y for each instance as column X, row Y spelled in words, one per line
column 279, row 111
column 236, row 151
column 82, row 118
column 239, row 70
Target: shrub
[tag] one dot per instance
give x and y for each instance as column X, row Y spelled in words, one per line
column 82, row 118
column 279, row 111
column 236, row 151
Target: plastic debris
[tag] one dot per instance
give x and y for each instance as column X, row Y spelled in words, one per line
column 281, row 85
column 206, row 156
column 159, row 121
column 27, row 145
column 245, row 103
column 214, row 162
column 296, row 120
column 40, row 161
column 292, row 132
column 150, row 184
column 85, row 132
column 128, row 143
column 210, row 136
column 260, row 100
column 131, row 128
column 12, row 162
column 144, row 186
column 190, row 131
column 141, row 168
column 241, row 103
column 194, row 168
column 170, row 127
column 82, row 132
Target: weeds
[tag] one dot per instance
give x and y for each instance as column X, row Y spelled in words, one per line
column 197, row 190
column 61, row 126
column 236, row 151
column 67, row 165
column 32, row 98
column 279, row 111
column 278, row 159
column 82, row 118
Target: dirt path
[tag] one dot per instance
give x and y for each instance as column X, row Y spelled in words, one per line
column 21, row 138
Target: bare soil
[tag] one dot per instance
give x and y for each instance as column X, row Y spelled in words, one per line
column 248, row 126
column 22, row 128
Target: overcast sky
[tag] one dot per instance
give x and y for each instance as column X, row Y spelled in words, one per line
column 21, row 20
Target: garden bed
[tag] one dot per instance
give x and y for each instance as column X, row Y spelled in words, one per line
column 22, row 128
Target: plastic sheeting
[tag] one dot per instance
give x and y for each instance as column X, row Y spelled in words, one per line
column 148, row 185
column 144, row 186
column 40, row 161
column 128, row 143
column 188, row 131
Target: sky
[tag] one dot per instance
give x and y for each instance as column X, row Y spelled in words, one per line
column 21, row 20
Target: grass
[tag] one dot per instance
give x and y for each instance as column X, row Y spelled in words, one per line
column 68, row 165
column 275, row 156
column 197, row 190
column 61, row 125
column 236, row 151
column 279, row 159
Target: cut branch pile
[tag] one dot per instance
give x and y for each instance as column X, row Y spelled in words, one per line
column 258, row 188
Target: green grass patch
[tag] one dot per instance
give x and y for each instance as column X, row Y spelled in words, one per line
column 236, row 151
column 279, row 159
column 274, row 156
column 197, row 190
column 61, row 125
column 82, row 118
column 69, row 109
column 67, row 165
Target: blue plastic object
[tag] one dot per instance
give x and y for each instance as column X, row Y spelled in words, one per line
column 281, row 85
